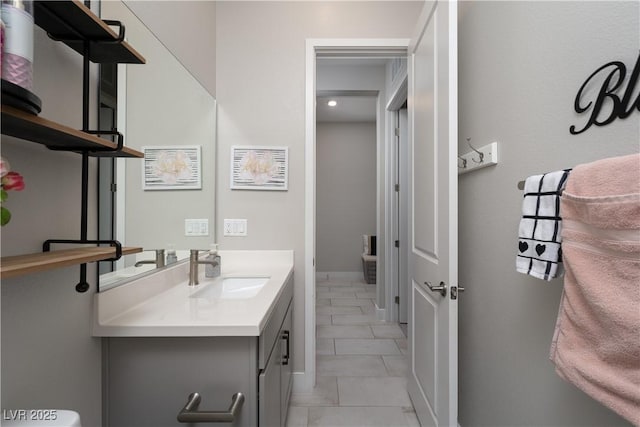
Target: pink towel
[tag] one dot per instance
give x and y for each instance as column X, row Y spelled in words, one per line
column 596, row 343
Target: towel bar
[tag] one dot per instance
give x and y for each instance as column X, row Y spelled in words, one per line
column 190, row 413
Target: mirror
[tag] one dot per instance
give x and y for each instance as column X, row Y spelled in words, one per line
column 165, row 112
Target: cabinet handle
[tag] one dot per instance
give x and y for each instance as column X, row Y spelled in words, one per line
column 285, row 358
column 190, row 413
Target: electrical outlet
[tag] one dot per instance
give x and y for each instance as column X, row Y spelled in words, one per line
column 235, row 227
column 196, row 227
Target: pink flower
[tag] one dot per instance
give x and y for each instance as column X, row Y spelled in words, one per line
column 13, row 181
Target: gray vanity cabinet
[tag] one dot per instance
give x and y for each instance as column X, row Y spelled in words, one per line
column 275, row 379
column 147, row 380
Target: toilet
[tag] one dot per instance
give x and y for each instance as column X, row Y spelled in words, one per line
column 40, row 418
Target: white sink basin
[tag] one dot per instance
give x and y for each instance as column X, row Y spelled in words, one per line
column 233, row 288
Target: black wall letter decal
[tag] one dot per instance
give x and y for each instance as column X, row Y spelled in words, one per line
column 612, row 75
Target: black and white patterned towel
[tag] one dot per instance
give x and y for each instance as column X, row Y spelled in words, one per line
column 539, row 250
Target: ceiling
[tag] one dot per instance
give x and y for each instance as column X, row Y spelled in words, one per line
column 349, row 109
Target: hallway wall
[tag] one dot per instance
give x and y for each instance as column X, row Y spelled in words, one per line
column 521, row 65
column 345, row 193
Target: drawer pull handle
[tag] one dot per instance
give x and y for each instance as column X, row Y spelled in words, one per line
column 190, row 413
column 286, row 357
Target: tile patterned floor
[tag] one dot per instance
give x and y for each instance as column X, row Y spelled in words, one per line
column 360, row 364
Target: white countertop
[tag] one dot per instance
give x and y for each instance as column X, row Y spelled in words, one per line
column 161, row 304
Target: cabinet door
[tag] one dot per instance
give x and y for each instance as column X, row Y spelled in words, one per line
column 269, row 391
column 286, row 335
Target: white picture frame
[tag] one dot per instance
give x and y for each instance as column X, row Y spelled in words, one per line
column 259, row 168
column 176, row 167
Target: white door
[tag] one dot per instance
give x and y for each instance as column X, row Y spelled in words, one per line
column 433, row 193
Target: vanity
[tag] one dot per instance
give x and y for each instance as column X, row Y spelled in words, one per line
column 227, row 339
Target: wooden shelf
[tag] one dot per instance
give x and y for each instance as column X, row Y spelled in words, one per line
column 14, row 266
column 71, row 22
column 54, row 135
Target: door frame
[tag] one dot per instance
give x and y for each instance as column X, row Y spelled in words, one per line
column 397, row 98
column 345, row 47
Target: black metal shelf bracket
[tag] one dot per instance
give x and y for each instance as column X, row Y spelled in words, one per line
column 119, row 142
column 83, row 285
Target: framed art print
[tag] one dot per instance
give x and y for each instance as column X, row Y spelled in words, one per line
column 172, row 168
column 259, row 168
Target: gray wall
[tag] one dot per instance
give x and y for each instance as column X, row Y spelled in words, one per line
column 188, row 30
column 155, row 218
column 260, row 75
column 521, row 64
column 49, row 359
column 345, row 193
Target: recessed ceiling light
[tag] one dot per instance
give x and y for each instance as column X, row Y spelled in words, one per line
column 332, row 103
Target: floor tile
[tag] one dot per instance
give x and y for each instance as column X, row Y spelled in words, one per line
column 331, row 294
column 370, row 295
column 403, row 345
column 355, row 302
column 396, row 365
column 323, row 319
column 354, row 319
column 329, row 309
column 349, row 288
column 411, row 417
column 356, row 417
column 297, row 416
column 352, row 366
column 325, row 346
column 387, row 331
column 373, row 391
column 338, row 289
column 339, row 331
column 368, row 309
column 366, row 346
column 325, row 393
column 323, row 301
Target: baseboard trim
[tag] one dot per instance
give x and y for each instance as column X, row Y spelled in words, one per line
column 343, row 275
column 381, row 314
column 303, row 382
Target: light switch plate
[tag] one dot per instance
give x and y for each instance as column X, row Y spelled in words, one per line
column 235, row 227
column 196, row 227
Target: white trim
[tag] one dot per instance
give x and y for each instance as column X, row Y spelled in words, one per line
column 396, row 99
column 354, row 46
column 381, row 314
column 300, row 382
column 309, row 380
column 344, row 275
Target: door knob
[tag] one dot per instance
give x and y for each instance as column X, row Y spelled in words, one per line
column 442, row 288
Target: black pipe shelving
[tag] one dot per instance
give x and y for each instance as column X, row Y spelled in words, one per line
column 74, row 24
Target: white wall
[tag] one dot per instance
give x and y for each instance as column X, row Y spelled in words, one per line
column 345, row 193
column 521, row 64
column 260, row 75
column 188, row 30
